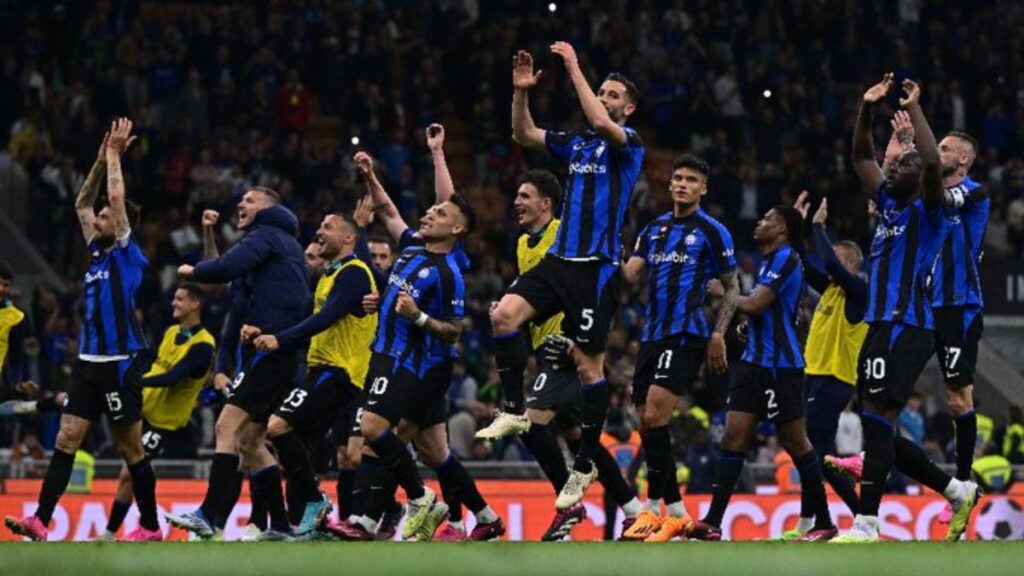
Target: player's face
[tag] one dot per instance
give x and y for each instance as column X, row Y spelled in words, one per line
column 687, row 186
column 332, row 236
column 313, row 259
column 251, row 204
column 5, row 288
column 612, row 95
column 441, row 222
column 104, row 224
column 953, row 153
column 848, row 258
column 183, row 304
column 381, row 256
column 530, row 206
column 769, row 227
column 903, row 174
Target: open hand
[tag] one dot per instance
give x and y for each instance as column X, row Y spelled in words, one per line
column 912, row 93
column 878, row 91
column 568, row 54
column 523, row 77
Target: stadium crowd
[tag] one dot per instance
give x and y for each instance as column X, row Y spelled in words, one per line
column 282, row 93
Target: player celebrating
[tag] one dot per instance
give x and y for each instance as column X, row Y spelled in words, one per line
column 899, row 339
column 769, row 380
column 105, row 378
column 681, row 250
column 170, row 390
column 339, row 354
column 269, row 266
column 835, row 337
column 580, row 274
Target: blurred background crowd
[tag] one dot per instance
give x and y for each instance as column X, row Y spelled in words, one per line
column 282, row 93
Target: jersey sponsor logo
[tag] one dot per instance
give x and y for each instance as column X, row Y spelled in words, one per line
column 728, row 252
column 588, row 168
column 405, row 285
column 458, row 303
column 670, row 257
column 885, row 231
column 98, row 276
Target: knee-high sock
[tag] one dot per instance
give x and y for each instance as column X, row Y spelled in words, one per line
column 511, row 355
column 878, row 460
column 144, row 489
column 610, row 476
column 345, row 488
column 294, row 459
column 58, row 474
column 223, row 472
column 812, row 489
column 730, row 464
column 544, row 447
column 966, row 438
column 451, row 473
column 657, row 444
column 399, row 463
column 911, row 460
column 268, row 481
column 595, row 410
column 117, row 513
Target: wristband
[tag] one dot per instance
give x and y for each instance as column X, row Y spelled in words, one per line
column 421, row 319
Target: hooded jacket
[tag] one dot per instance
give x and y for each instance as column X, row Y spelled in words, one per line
column 268, row 269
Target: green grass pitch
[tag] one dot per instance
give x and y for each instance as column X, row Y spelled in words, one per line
column 519, row 558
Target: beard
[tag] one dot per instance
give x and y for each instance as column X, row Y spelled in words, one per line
column 104, row 242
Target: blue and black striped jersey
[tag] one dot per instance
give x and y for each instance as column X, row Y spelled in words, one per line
column 109, row 325
column 956, row 280
column 903, row 253
column 436, row 283
column 772, row 339
column 597, row 192
column 681, row 255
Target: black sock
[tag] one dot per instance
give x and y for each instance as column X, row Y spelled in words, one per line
column 966, row 438
column 294, row 458
column 362, row 491
column 295, row 502
column 269, row 482
column 144, row 489
column 730, row 464
column 58, row 474
column 610, row 476
column 655, row 442
column 234, row 492
column 223, row 472
column 595, row 410
column 452, row 473
column 117, row 513
column 394, row 456
column 511, row 355
column 911, row 460
column 346, row 487
column 258, row 516
column 812, row 487
column 451, row 492
column 544, row 447
column 844, row 488
column 878, row 460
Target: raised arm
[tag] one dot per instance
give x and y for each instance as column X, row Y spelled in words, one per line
column 902, row 138
column 597, row 115
column 118, row 141
column 382, row 204
column 863, row 153
column 932, row 190
column 210, row 251
column 524, row 131
column 86, row 200
column 444, row 188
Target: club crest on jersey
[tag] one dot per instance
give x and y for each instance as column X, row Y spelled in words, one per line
column 690, row 240
column 424, row 273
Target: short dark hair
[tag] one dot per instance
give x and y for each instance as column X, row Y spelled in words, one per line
column 693, row 162
column 349, row 220
column 381, row 239
column 546, row 184
column 268, row 192
column 467, row 212
column 966, row 138
column 6, row 272
column 794, row 225
column 631, row 92
column 195, row 292
column 134, row 213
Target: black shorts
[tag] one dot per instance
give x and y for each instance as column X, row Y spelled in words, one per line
column 825, row 398
column 395, row 393
column 775, row 394
column 666, row 364
column 587, row 292
column 112, row 388
column 260, row 385
column 891, row 359
column 555, row 390
column 957, row 331
column 315, row 405
column 346, row 425
column 163, row 443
